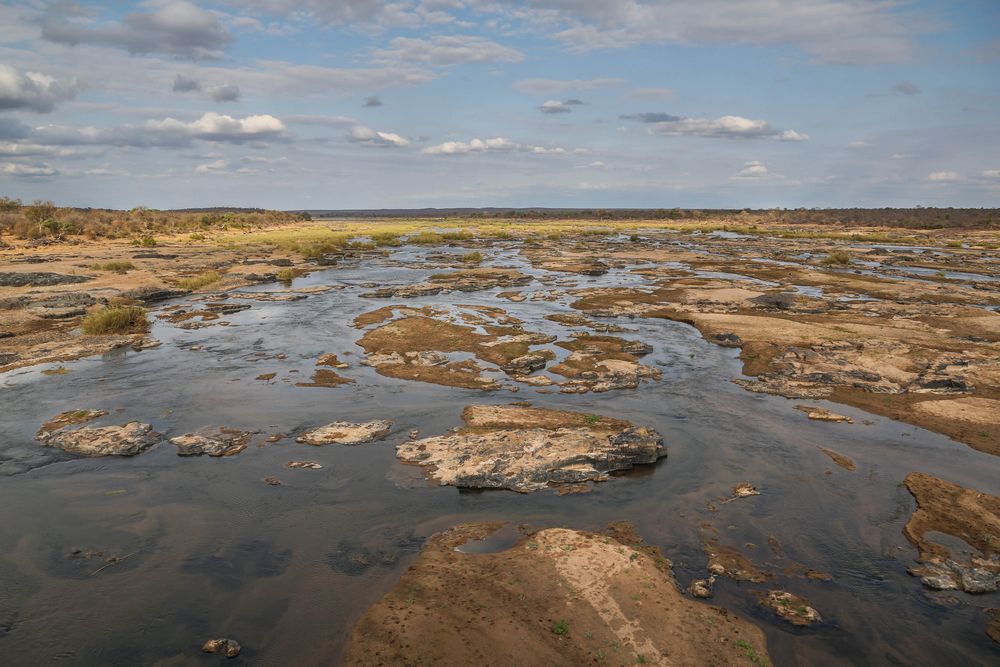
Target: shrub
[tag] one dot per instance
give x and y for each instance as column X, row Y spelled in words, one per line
column 116, row 320
column 200, row 280
column 837, row 257
column 382, row 239
column 460, row 235
column 197, row 237
column 472, row 258
column 144, row 241
column 287, row 275
column 117, row 267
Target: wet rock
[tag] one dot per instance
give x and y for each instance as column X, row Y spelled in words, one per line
column 550, row 448
column 745, row 490
column 843, row 461
column 702, row 588
column 347, row 433
column 790, row 607
column 822, row 414
column 404, row 291
column 527, row 363
column 774, row 300
column 950, row 575
column 126, row 440
column 727, row 340
column 993, row 625
column 153, row 294
column 307, row 465
column 330, row 360
column 229, row 647
column 212, row 441
column 272, row 481
column 68, row 418
column 38, row 279
column 153, row 255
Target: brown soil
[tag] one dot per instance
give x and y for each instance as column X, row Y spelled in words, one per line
column 954, row 510
column 557, row 597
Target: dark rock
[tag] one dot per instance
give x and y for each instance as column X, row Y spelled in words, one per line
column 230, row 647
column 38, row 279
column 727, row 340
column 153, row 255
column 153, row 294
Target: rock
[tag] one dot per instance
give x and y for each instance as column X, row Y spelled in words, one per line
column 993, row 626
column 153, row 294
column 745, row 490
column 555, row 597
column 272, row 481
column 68, row 418
column 702, row 588
column 790, row 607
column 822, row 414
column 347, row 433
column 527, row 363
column 212, row 441
column 126, row 440
column 38, row 279
column 308, row 465
column 950, row 575
column 550, row 448
column 230, row 647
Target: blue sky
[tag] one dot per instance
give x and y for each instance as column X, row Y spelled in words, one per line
column 415, row 103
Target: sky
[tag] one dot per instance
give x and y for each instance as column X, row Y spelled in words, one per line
column 307, row 104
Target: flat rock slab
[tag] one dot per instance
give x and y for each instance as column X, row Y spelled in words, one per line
column 38, row 278
column 212, row 441
column 347, row 433
column 125, row 440
column 527, row 449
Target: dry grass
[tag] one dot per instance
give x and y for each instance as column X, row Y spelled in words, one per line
column 117, row 267
column 472, row 258
column 200, row 280
column 116, row 320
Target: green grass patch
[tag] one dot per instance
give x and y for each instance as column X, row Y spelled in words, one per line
column 116, row 320
column 425, row 238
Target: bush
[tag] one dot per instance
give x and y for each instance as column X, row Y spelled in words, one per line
column 837, row 257
column 426, row 238
column 472, row 258
column 382, row 239
column 200, row 280
column 117, row 267
column 116, row 320
column 144, row 241
column 287, row 275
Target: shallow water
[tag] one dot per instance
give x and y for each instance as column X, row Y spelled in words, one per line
column 211, row 550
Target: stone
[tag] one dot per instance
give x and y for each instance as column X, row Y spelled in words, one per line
column 212, row 441
column 229, row 647
column 791, row 608
column 125, row 440
column 347, row 433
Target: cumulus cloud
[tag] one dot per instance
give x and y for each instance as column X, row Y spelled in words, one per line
column 906, row 88
column 556, row 86
column 224, row 93
column 554, row 106
column 178, row 28
column 184, row 84
column 29, row 170
column 725, row 127
column 216, row 165
column 943, row 176
column 753, row 170
column 366, row 135
column 33, row 91
column 167, row 132
column 446, row 50
column 991, row 173
column 494, row 145
column 372, row 101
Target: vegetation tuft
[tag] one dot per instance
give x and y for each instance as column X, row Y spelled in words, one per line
column 116, row 320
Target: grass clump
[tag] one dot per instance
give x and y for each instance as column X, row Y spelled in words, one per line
column 560, row 628
column 200, row 280
column 117, row 267
column 837, row 257
column 425, row 238
column 460, row 235
column 116, row 320
column 472, row 258
column 386, row 239
column 144, row 242
column 287, row 275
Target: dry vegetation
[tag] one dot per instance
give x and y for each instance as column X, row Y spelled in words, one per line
column 115, row 320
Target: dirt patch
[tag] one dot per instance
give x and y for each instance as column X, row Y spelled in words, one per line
column 966, row 514
column 557, row 597
column 528, row 449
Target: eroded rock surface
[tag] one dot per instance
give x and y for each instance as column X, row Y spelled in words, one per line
column 347, row 433
column 125, row 440
column 526, row 449
column 558, row 597
column 790, row 607
column 212, row 441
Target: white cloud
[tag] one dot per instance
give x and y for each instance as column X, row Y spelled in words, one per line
column 726, row 127
column 446, row 50
column 217, row 165
column 554, row 86
column 28, row 171
column 554, row 106
column 178, row 28
column 367, row 135
column 753, row 170
column 33, row 91
column 991, row 173
column 474, row 146
column 859, row 143
column 943, row 176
